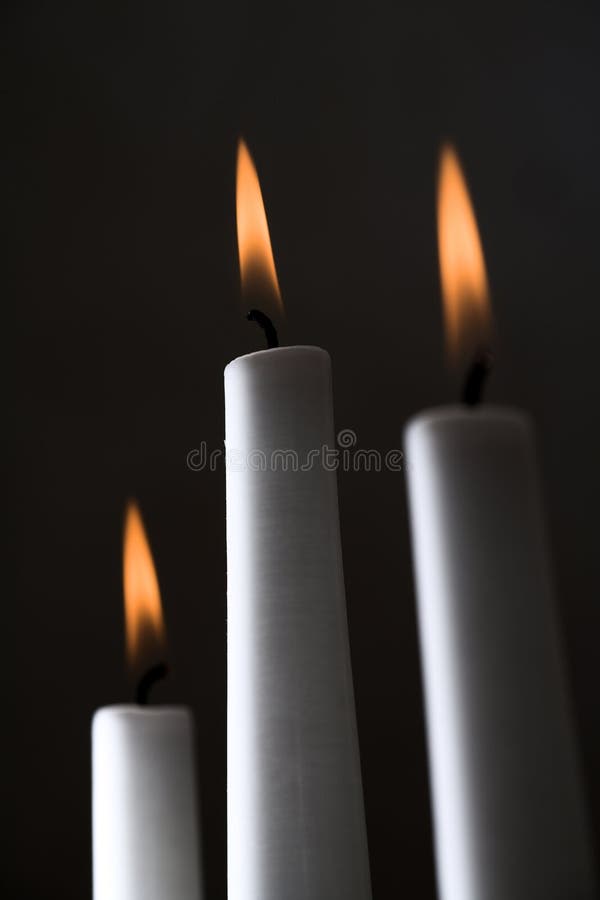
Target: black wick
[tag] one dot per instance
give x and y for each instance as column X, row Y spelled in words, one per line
column 148, row 680
column 472, row 392
column 255, row 315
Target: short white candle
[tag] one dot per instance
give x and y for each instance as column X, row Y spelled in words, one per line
column 146, row 839
column 509, row 817
column 145, row 820
column 296, row 827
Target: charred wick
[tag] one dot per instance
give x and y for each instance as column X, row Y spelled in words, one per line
column 477, row 376
column 264, row 322
column 148, row 680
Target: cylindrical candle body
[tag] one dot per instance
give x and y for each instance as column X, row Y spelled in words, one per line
column 295, row 805
column 145, row 817
column 508, row 808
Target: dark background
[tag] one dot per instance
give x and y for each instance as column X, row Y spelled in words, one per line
column 122, row 125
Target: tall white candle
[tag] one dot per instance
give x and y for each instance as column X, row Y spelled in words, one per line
column 508, row 807
column 296, row 826
column 509, row 817
column 295, row 806
column 146, row 840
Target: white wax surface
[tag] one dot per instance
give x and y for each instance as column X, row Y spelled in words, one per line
column 295, row 806
column 146, row 841
column 507, row 800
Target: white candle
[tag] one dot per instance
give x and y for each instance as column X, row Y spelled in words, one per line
column 508, row 807
column 295, row 808
column 296, row 827
column 145, row 817
column 145, row 821
column 509, row 818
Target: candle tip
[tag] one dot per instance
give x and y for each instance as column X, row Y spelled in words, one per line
column 255, row 315
column 477, row 376
column 148, row 680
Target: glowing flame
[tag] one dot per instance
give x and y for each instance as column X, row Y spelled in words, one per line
column 257, row 266
column 462, row 268
column 144, row 627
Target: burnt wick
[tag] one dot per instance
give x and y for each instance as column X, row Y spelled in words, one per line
column 255, row 315
column 477, row 375
column 148, row 680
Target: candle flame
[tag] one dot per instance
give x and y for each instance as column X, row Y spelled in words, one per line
column 144, row 627
column 465, row 288
column 257, row 266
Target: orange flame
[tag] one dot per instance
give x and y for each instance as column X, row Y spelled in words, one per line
column 257, row 266
column 462, row 268
column 144, row 627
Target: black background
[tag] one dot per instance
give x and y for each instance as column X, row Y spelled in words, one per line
column 123, row 118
